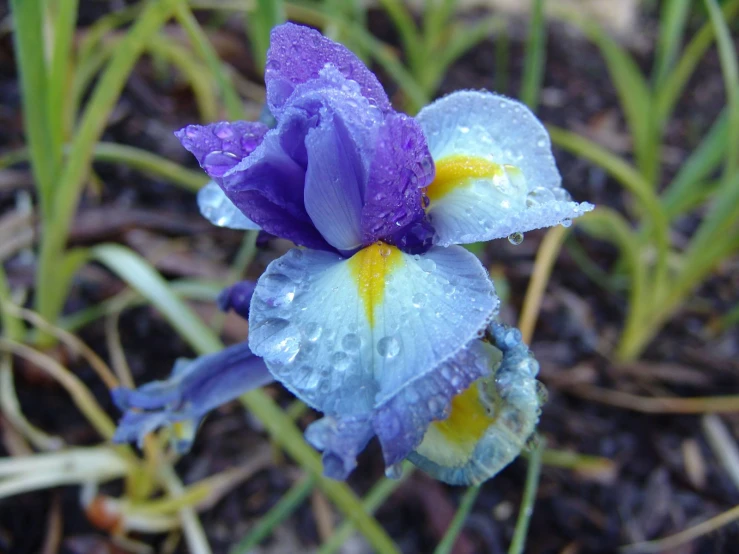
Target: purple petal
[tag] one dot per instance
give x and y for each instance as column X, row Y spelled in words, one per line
column 341, row 440
column 194, row 388
column 401, row 422
column 334, row 183
column 237, row 297
column 267, row 187
column 220, row 146
column 297, row 54
column 400, row 169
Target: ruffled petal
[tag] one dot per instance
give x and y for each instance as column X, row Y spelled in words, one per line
column 297, row 54
column 348, row 335
column 495, row 172
column 194, row 388
column 341, row 440
column 220, row 146
column 400, row 170
column 217, row 208
column 490, row 423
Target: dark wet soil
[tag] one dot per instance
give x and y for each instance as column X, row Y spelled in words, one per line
column 650, row 492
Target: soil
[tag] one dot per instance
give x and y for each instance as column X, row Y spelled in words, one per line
column 650, row 492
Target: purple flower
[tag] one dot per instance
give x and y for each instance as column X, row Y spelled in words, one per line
column 382, row 321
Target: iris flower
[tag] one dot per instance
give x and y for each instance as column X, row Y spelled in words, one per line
column 379, row 319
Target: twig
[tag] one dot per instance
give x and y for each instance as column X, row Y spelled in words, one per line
column 658, row 405
column 668, row 544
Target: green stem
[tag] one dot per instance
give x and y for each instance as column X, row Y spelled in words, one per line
column 455, row 527
column 527, row 503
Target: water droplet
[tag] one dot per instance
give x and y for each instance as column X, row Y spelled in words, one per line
column 515, row 238
column 341, row 361
column 278, row 340
column 541, row 392
column 351, row 342
column 272, row 64
column 218, row 162
column 539, row 195
column 427, row 264
column 277, row 289
column 464, row 130
column 394, row 471
column 313, row 332
column 561, row 195
column 566, row 222
column 417, row 300
column 223, row 130
column 388, row 347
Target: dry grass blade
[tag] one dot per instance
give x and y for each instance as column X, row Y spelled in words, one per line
column 658, row 405
column 69, row 340
column 723, row 445
column 669, row 544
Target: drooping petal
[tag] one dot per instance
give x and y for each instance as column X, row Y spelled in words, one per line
column 495, row 173
column 401, row 168
column 341, row 440
column 237, row 297
column 489, row 423
column 401, row 422
column 297, row 54
column 220, row 146
column 217, row 208
column 348, row 335
column 194, row 388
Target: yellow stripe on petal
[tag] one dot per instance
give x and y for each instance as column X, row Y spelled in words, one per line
column 370, row 268
column 459, row 171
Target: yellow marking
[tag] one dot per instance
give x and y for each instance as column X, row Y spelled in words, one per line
column 457, row 171
column 370, row 268
column 468, row 420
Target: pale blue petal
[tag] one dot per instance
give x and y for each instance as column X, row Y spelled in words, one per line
column 309, row 322
column 525, row 194
column 217, row 208
column 341, row 440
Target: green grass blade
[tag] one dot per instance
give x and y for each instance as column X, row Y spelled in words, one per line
column 143, row 278
column 69, row 184
column 13, row 327
column 502, row 60
column 673, row 17
column 290, row 502
column 455, row 527
column 730, row 69
column 675, row 82
column 259, row 22
column 527, row 503
column 681, row 192
column 436, row 16
column 29, row 53
column 631, row 179
column 130, row 156
column 634, row 96
column 409, row 36
column 535, row 57
column 57, row 92
column 234, row 106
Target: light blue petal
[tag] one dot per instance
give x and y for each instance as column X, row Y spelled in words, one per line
column 216, row 207
column 341, row 440
column 310, row 321
column 525, row 193
column 512, row 398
